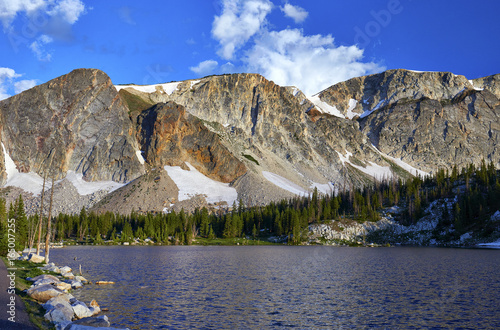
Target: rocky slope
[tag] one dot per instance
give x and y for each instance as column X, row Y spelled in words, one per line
column 170, row 136
column 75, row 122
column 242, row 136
column 427, row 119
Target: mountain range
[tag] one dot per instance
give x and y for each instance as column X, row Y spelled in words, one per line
column 221, row 139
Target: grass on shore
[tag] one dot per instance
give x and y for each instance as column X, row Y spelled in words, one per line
column 34, row 309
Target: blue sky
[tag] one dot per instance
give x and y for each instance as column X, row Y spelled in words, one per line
column 310, row 44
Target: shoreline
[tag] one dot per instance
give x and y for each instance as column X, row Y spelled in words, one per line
column 51, row 290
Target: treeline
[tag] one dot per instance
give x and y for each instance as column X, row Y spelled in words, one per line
column 474, row 193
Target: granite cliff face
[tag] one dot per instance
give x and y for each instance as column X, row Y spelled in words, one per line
column 75, row 122
column 427, row 119
column 264, row 141
column 378, row 90
column 432, row 134
column 268, row 127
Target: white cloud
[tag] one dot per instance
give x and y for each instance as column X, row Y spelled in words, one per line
column 38, row 47
column 66, row 10
column 10, row 8
column 239, row 21
column 298, row 14
column 7, row 78
column 69, row 10
column 312, row 63
column 205, row 67
column 21, row 86
column 288, row 57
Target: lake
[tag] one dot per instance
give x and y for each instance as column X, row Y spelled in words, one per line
column 303, row 287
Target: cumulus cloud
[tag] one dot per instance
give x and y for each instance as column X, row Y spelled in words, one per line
column 38, row 48
column 311, row 63
column 21, row 86
column 67, row 10
column 10, row 8
column 288, row 57
column 239, row 21
column 30, row 22
column 7, row 82
column 205, row 68
column 298, row 14
column 6, row 77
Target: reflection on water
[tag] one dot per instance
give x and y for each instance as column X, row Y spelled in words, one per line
column 241, row 287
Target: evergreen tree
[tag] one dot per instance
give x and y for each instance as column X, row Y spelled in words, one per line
column 3, row 228
column 21, row 225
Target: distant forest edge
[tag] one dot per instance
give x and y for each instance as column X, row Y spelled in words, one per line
column 468, row 199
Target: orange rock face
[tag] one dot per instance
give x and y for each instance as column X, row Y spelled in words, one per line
column 170, row 136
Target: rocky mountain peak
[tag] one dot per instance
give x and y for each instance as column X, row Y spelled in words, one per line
column 362, row 95
column 76, row 122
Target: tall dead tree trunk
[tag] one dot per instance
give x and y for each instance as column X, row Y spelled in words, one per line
column 40, row 220
column 47, row 238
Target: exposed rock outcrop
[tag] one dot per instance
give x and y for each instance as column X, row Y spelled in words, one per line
column 75, row 122
column 383, row 89
column 489, row 83
column 170, row 136
column 431, row 134
column 236, row 128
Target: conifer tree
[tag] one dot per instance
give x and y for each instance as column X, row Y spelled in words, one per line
column 21, row 225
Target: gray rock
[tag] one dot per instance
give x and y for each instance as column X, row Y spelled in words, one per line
column 43, row 277
column 79, row 123
column 81, row 310
column 61, row 313
column 65, row 270
column 44, row 292
column 76, row 284
column 61, row 300
column 100, row 321
column 46, row 281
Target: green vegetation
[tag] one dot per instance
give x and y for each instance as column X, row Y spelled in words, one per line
column 36, row 312
column 134, row 102
column 475, row 193
column 250, row 158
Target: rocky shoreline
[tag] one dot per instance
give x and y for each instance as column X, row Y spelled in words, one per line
column 62, row 308
column 387, row 231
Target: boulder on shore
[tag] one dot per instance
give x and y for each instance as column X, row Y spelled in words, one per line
column 44, row 293
column 36, row 258
column 41, row 277
column 96, row 322
column 81, row 310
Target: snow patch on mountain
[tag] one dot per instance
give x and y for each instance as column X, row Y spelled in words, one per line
column 192, row 183
column 168, row 88
column 86, row 188
column 372, row 169
column 285, row 184
column 138, row 153
column 325, row 107
column 352, row 104
column 407, row 167
column 33, row 183
column 324, row 188
column 30, row 182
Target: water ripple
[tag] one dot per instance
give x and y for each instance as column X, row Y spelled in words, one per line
column 291, row 287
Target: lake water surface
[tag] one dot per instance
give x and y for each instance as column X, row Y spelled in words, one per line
column 309, row 287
